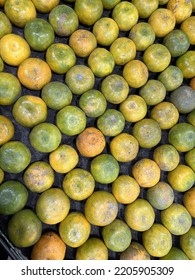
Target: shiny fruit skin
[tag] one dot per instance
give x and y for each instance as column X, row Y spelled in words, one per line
column 29, row 110
column 7, row 129
column 60, row 57
column 34, row 73
column 14, row 150
column 45, row 137
column 88, row 12
column 14, row 49
column 39, row 34
column 20, row 12
column 5, row 25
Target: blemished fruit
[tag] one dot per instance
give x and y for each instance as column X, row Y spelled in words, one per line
column 60, row 57
column 190, row 159
column 166, row 114
column 157, row 240
column 166, row 156
column 93, row 249
column 139, row 215
column 6, row 26
column 176, row 219
column 133, row 108
column 175, row 254
column 186, row 64
column 161, row 196
column 74, row 230
column 65, row 27
column 115, row 88
column 19, row 13
column 109, row 4
column 148, row 132
column 29, row 110
column 125, row 189
column 145, row 8
column 93, row 103
column 88, row 12
column 78, row 184
column 153, row 92
column 117, row 235
column 90, row 142
column 181, row 178
column 6, row 129
column 188, row 27
column 34, row 73
column 135, row 73
column 45, row 7
column 101, row 62
column 181, row 11
column 187, row 243
column 101, row 208
column 162, row 21
column 106, row 31
column 146, row 172
column 111, row 122
column 49, row 247
column 124, row 147
column 10, row 88
column 64, row 158
column 83, row 42
column 142, row 35
column 135, row 251
column 184, row 99
column 125, row 15
column 189, row 201
column 123, row 50
column 171, row 77
column 38, row 176
column 49, row 212
column 177, row 42
column 79, row 79
column 156, row 57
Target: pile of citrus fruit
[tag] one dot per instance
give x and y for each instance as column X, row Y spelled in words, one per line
column 97, row 128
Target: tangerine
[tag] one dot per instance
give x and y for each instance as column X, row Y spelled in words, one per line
column 90, row 142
